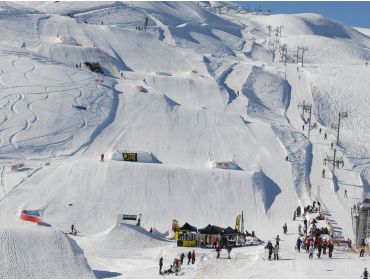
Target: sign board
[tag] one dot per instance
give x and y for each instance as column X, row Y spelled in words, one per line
column 129, row 156
column 123, row 218
column 187, row 243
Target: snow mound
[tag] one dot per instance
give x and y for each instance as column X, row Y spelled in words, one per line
column 69, row 41
column 141, row 156
column 122, row 238
column 41, row 254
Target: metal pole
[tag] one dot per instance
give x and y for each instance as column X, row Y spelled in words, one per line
column 335, row 152
column 309, row 124
column 338, row 130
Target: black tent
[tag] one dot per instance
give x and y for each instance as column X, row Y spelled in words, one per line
column 229, row 231
column 210, row 230
column 187, row 227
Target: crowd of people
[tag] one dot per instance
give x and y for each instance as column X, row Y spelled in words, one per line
column 175, row 267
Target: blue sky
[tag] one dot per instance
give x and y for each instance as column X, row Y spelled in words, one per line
column 353, row 13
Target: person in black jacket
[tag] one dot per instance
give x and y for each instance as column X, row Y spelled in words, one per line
column 331, row 248
column 189, row 257
column 270, row 248
column 160, row 265
column 182, row 257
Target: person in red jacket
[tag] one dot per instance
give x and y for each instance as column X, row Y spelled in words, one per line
column 218, row 250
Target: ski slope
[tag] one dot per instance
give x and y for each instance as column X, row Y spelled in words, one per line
column 196, row 88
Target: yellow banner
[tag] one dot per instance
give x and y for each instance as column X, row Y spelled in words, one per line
column 237, row 222
column 189, row 243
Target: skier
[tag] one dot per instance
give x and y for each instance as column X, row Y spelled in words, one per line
column 269, row 247
column 298, row 244
column 218, row 250
column 160, row 265
column 285, row 228
column 228, row 251
column 182, row 257
column 276, row 252
column 325, row 136
column 277, row 240
column 365, row 274
column 319, row 249
column 193, row 257
column 311, row 250
column 189, row 257
column 331, row 248
column 323, row 173
column 300, row 229
column 345, row 193
column 102, row 157
column 324, row 246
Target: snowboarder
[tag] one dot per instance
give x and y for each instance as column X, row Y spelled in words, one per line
column 298, row 244
column 323, row 173
column 102, row 157
column 285, row 228
column 294, row 216
column 79, row 65
column 331, row 145
column 345, row 193
column 320, row 130
column 160, row 265
column 189, row 257
column 276, row 252
column 325, row 136
column 72, row 229
column 331, row 248
column 193, row 257
column 319, row 205
column 302, row 127
column 311, row 250
column 365, row 274
column 182, row 257
column 277, row 240
column 228, row 251
column 269, row 247
column 218, row 250
column 286, row 158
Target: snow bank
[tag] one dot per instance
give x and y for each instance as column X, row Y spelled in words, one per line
column 41, row 253
column 122, row 239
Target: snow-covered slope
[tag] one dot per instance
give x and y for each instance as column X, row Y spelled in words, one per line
column 196, row 90
column 31, row 253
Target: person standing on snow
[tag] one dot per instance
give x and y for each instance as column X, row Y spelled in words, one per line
column 319, row 249
column 189, row 257
column 323, row 173
column 311, row 250
column 102, row 157
column 298, row 244
column 193, row 257
column 325, row 136
column 160, row 265
column 345, row 193
column 285, row 228
column 228, row 251
column 218, row 250
column 277, row 240
column 365, row 274
column 324, row 246
column 331, row 248
column 182, row 257
column 300, row 229
column 269, row 247
column 276, row 252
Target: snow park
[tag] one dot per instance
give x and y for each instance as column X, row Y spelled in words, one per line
column 182, row 140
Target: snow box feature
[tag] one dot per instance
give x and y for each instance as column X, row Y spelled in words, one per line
column 134, row 156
